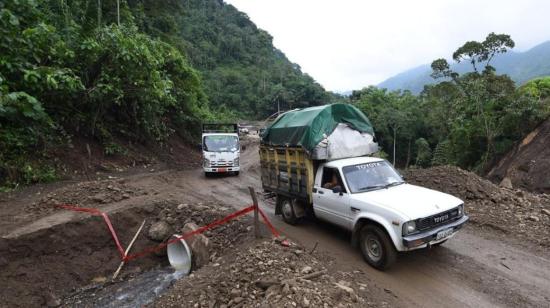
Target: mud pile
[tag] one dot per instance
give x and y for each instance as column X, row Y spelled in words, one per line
column 526, row 165
column 513, row 211
column 84, row 194
column 265, row 274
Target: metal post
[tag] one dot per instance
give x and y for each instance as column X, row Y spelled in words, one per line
column 256, row 217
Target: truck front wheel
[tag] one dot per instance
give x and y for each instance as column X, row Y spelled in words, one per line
column 287, row 210
column 377, row 248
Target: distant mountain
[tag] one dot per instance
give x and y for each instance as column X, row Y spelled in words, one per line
column 344, row 92
column 520, row 66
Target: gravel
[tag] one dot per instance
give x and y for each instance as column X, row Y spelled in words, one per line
column 264, row 274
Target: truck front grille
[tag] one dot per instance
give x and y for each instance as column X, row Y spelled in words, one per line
column 221, row 163
column 437, row 220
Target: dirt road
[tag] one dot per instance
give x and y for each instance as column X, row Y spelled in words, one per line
column 477, row 268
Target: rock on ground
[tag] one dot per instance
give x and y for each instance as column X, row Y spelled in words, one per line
column 159, row 231
column 199, row 244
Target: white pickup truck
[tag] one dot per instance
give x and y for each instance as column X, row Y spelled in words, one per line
column 364, row 195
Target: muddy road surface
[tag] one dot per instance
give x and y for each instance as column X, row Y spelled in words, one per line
column 477, row 268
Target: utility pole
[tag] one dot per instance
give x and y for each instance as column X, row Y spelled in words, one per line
column 118, row 12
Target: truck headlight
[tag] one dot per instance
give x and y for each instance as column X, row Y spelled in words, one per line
column 236, row 162
column 206, row 162
column 409, row 227
column 461, row 210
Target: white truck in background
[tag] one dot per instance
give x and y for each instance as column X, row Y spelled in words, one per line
column 220, row 148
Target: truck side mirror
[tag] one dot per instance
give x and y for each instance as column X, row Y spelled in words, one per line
column 199, row 146
column 337, row 190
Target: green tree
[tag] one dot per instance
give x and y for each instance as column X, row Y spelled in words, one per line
column 423, row 152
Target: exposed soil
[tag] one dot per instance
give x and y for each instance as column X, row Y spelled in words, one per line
column 42, row 267
column 526, row 165
column 515, row 212
column 87, row 158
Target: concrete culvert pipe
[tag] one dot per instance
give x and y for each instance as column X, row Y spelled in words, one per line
column 179, row 255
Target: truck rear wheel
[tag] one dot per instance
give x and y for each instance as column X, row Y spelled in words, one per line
column 287, row 210
column 377, row 248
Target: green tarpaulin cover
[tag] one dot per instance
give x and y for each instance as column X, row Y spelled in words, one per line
column 307, row 127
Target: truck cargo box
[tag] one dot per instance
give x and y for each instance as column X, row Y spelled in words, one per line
column 287, row 171
column 325, row 132
column 292, row 146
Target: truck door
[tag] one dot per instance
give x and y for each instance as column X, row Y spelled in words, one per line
column 327, row 204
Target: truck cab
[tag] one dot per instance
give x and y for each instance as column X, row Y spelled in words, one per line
column 220, row 149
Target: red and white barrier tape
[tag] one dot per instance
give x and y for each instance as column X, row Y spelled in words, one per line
column 147, row 251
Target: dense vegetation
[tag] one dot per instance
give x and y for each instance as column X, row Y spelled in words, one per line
column 241, row 69
column 469, row 120
column 135, row 70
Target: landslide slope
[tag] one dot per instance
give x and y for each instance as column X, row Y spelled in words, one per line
column 527, row 164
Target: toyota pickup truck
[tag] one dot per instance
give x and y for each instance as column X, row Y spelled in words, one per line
column 364, row 195
column 368, row 197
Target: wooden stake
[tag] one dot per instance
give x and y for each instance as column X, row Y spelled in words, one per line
column 128, row 250
column 256, row 216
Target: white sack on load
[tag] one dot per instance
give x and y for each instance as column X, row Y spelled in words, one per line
column 345, row 142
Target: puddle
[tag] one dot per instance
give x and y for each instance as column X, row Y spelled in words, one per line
column 135, row 292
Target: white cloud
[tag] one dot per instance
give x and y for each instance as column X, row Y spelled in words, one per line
column 349, row 44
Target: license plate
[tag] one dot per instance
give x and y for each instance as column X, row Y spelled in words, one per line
column 222, row 169
column 443, row 234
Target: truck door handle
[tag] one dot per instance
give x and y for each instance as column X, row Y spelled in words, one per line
column 354, row 209
column 321, row 192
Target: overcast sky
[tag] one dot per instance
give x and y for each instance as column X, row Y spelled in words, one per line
column 349, row 44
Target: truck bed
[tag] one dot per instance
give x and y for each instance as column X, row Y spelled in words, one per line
column 287, row 171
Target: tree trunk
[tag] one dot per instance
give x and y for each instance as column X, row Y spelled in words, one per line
column 408, row 155
column 394, row 141
column 98, row 13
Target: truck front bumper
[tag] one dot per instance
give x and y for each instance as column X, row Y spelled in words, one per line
column 430, row 237
column 221, row 169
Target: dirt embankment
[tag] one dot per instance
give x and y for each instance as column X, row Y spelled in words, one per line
column 512, row 211
column 526, row 165
column 41, row 268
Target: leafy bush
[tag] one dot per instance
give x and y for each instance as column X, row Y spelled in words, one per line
column 423, row 152
column 61, row 74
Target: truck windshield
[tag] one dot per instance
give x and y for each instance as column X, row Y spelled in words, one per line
column 220, row 143
column 370, row 176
